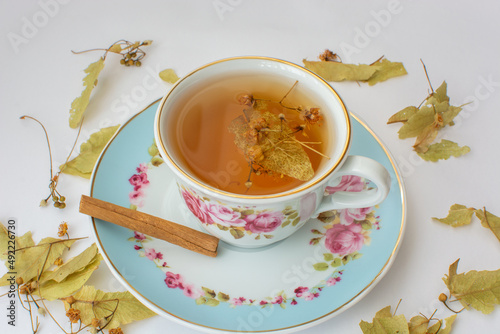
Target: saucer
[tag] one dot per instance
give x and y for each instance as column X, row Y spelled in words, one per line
column 327, row 266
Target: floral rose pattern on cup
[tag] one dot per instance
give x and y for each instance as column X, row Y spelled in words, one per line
column 347, row 230
column 239, row 221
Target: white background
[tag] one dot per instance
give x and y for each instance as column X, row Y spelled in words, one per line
column 457, row 40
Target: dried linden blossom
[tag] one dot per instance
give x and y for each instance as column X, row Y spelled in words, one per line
column 331, row 68
column 273, row 149
column 268, row 140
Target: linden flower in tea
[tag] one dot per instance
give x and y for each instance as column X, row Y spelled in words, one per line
column 268, row 139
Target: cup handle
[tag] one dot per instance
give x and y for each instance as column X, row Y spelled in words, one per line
column 368, row 169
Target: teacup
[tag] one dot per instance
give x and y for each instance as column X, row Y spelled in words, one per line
column 252, row 221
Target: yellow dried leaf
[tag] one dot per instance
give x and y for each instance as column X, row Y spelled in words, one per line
column 384, row 322
column 79, row 105
column 417, row 123
column 475, row 289
column 72, row 282
column 124, row 307
column 335, row 71
column 31, row 259
column 442, row 328
column 489, row 221
column 403, row 115
column 83, row 164
column 443, row 151
column 385, row 71
column 428, row 134
column 458, row 215
column 169, row 76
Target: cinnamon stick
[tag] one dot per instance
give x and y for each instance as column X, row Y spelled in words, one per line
column 180, row 235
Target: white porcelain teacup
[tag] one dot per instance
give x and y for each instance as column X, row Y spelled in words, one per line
column 252, row 221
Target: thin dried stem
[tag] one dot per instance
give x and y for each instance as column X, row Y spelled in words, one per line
column 488, row 223
column 376, row 61
column 312, row 149
column 46, row 137
column 427, row 76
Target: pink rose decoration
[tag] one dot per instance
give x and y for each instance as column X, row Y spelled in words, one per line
column 152, row 254
column 139, row 236
column 347, row 183
column 348, row 216
column 143, row 168
column 263, row 222
column 224, row 216
column 139, row 180
column 332, row 281
column 197, row 207
column 173, row 280
column 238, row 301
column 301, row 290
column 136, row 197
column 277, row 300
column 344, row 239
column 190, row 291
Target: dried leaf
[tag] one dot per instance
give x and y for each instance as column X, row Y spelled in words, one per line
column 31, row 259
column 123, row 307
column 440, row 328
column 79, row 105
column 169, row 76
column 403, row 115
column 425, row 123
column 418, row 325
column 475, row 289
column 116, row 48
column 83, row 164
column 444, row 150
column 336, row 71
column 52, row 289
column 74, row 264
column 458, row 215
column 386, row 70
column 384, row 322
column 417, row 123
column 427, row 136
column 281, row 154
column 490, row 221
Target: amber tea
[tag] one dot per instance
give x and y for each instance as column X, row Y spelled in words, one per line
column 249, row 135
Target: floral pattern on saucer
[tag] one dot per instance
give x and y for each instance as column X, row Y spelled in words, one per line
column 344, row 234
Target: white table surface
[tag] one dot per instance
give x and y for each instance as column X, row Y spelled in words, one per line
column 457, row 40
